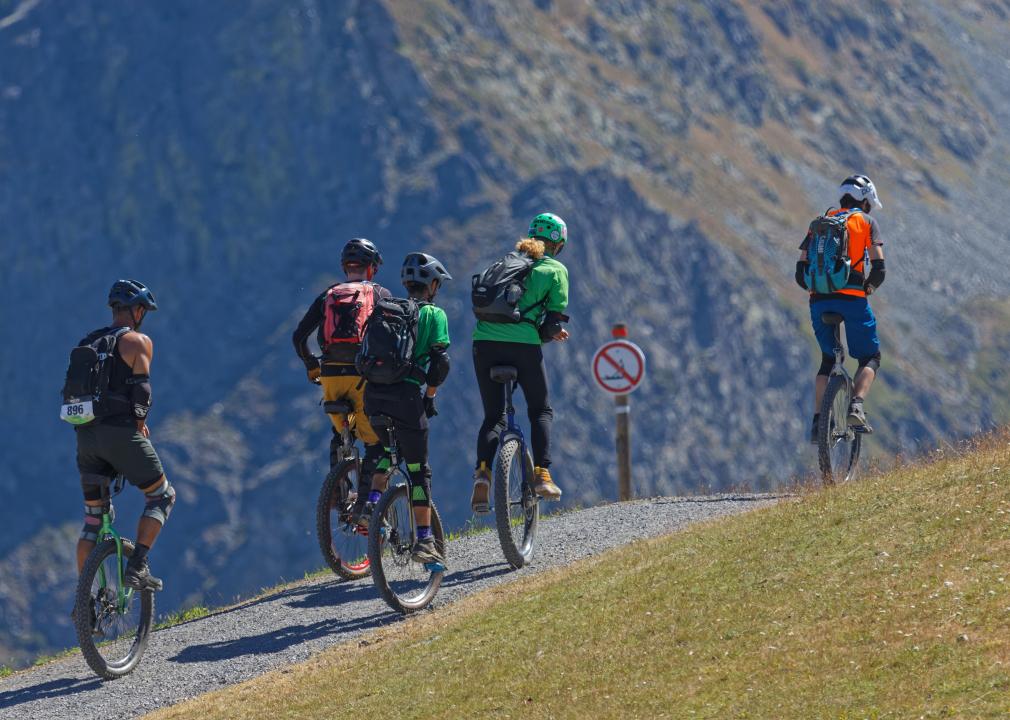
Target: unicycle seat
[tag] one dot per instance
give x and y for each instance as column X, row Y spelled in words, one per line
column 504, row 374
column 381, row 421
column 832, row 318
column 338, row 407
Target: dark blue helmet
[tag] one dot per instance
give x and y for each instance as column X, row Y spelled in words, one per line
column 127, row 293
column 361, row 252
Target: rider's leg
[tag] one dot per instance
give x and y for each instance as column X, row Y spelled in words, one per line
column 413, row 444
column 92, row 489
column 533, row 381
column 821, row 381
column 159, row 499
column 864, row 379
column 492, row 395
column 861, row 387
column 339, row 387
column 363, row 430
column 92, row 522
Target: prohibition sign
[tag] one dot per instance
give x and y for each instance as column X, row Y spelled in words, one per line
column 619, row 367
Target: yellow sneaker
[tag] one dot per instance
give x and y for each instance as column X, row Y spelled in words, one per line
column 480, row 500
column 544, row 486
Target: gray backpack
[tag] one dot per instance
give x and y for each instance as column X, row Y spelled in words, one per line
column 495, row 293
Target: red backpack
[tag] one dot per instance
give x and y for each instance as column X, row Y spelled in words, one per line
column 346, row 309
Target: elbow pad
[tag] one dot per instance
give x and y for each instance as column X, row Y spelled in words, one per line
column 801, row 273
column 552, row 325
column 438, row 370
column 140, row 395
column 876, row 276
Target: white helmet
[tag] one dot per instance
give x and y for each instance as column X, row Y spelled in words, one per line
column 861, row 188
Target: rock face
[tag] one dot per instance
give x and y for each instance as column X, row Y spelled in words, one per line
column 222, row 154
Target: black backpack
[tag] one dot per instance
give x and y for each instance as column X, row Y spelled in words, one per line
column 495, row 293
column 86, row 393
column 387, row 348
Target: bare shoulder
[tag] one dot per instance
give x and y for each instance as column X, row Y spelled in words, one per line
column 136, row 343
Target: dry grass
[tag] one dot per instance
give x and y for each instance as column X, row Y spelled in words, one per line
column 887, row 598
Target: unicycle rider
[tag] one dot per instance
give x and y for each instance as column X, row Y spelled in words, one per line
column 520, row 304
column 419, row 330
column 337, row 316
column 841, row 264
column 107, row 397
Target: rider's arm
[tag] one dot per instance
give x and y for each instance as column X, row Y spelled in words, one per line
column 137, row 351
column 552, row 327
column 438, row 368
column 876, row 252
column 308, row 324
column 802, row 263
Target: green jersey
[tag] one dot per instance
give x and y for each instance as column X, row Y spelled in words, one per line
column 432, row 331
column 546, row 291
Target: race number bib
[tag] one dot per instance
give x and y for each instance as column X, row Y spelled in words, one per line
column 78, row 413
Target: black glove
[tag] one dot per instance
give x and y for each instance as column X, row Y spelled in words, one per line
column 312, row 368
column 801, row 272
column 552, row 325
column 876, row 277
column 429, row 407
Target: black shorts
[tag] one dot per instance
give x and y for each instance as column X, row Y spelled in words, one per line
column 402, row 402
column 104, row 451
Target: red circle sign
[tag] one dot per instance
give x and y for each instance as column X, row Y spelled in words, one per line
column 619, row 367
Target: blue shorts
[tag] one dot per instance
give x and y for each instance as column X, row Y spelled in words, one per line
column 860, row 327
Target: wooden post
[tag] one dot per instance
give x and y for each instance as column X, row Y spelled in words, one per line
column 622, row 410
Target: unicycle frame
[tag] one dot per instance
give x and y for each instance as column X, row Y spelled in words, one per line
column 395, row 471
column 512, row 428
column 106, row 531
column 828, row 435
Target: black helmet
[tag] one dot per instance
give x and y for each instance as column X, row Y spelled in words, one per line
column 419, row 267
column 128, row 293
column 361, row 251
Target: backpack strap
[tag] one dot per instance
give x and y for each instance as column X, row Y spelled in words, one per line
column 541, row 304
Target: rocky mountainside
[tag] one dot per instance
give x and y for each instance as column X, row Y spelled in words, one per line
column 222, row 153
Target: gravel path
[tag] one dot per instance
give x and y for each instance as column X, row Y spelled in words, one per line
column 251, row 639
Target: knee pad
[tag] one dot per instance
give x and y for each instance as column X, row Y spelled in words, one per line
column 93, row 521
column 159, row 502
column 872, row 362
column 827, row 362
column 420, row 484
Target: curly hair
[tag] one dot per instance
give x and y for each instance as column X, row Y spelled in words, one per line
column 530, row 247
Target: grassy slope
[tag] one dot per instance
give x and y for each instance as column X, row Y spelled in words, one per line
column 882, row 599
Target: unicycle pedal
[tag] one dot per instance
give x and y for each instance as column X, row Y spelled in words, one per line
column 435, row 567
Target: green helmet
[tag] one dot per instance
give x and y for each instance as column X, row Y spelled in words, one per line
column 549, row 227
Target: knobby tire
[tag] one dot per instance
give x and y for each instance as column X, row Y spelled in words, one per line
column 106, row 669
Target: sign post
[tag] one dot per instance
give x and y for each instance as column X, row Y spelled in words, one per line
column 619, row 367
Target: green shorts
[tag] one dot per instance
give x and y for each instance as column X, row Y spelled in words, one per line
column 104, row 451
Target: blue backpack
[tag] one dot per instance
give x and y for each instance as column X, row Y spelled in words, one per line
column 828, row 254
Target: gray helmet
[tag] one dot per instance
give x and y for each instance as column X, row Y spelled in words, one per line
column 422, row 268
column 128, row 293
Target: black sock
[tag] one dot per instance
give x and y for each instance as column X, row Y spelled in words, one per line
column 140, row 551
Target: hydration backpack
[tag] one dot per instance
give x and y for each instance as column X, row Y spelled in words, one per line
column 828, row 254
column 346, row 309
column 495, row 293
column 387, row 349
column 86, row 393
